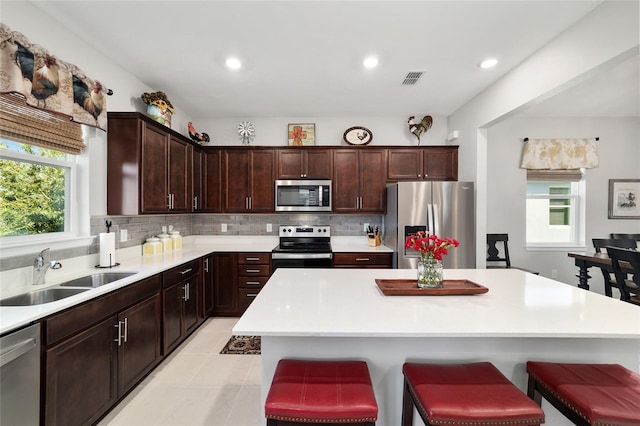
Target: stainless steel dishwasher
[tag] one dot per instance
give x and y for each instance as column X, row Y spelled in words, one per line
column 20, row 377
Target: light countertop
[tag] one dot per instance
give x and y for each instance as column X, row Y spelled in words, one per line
column 343, row 303
column 131, row 260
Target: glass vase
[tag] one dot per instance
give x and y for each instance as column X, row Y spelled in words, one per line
column 429, row 273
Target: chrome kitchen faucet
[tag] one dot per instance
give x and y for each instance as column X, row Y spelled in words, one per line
column 41, row 263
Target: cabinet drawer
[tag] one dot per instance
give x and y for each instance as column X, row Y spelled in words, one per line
column 252, row 282
column 362, row 260
column 245, row 297
column 181, row 272
column 253, row 270
column 254, row 258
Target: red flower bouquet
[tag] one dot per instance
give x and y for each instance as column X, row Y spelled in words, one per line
column 430, row 246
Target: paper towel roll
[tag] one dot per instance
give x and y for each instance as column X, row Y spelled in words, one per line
column 107, row 249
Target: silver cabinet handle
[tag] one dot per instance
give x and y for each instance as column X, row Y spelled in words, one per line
column 169, row 201
column 362, row 259
column 185, row 297
column 249, row 203
column 206, row 265
column 119, row 338
column 186, row 271
column 252, row 271
column 126, row 329
column 195, row 203
column 252, row 282
column 252, row 294
column 251, row 258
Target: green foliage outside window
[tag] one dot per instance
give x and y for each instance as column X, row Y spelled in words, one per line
column 32, row 195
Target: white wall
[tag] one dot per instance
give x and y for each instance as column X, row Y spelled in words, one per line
column 619, row 151
column 605, row 37
column 40, row 29
column 272, row 131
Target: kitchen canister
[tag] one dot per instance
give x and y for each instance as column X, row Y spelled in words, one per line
column 176, row 238
column 165, row 240
column 152, row 247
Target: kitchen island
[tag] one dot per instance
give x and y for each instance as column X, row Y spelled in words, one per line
column 331, row 313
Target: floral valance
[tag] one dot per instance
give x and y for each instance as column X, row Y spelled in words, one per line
column 49, row 83
column 559, row 154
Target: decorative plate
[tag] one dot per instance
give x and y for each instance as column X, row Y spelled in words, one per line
column 358, row 136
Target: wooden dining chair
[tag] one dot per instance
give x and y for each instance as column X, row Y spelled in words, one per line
column 629, row 290
column 635, row 237
column 609, row 277
column 498, row 253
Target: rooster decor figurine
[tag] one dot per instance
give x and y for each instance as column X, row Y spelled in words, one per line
column 197, row 137
column 420, row 128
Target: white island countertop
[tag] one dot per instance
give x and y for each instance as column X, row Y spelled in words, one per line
column 333, row 302
column 342, row 314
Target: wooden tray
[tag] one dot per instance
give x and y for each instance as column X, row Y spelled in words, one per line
column 400, row 287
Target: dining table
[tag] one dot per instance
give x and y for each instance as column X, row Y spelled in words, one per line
column 585, row 260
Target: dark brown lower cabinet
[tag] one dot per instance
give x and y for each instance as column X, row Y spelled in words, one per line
column 180, row 303
column 225, row 298
column 81, row 376
column 139, row 349
column 96, row 352
column 208, row 285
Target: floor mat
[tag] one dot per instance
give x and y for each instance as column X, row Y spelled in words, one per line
column 242, row 345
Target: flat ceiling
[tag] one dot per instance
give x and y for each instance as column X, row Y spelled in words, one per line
column 304, row 58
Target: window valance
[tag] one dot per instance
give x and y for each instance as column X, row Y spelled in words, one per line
column 559, row 154
column 49, row 83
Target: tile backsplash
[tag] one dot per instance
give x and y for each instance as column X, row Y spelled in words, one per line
column 139, row 228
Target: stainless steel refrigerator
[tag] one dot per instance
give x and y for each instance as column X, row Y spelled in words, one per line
column 442, row 208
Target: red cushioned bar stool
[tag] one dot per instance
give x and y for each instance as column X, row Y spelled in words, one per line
column 587, row 394
column 465, row 394
column 330, row 392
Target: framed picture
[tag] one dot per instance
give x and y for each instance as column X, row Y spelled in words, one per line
column 623, row 199
column 302, row 134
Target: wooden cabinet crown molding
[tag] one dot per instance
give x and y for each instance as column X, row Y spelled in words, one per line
column 145, row 118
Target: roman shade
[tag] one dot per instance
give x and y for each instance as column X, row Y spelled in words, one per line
column 559, row 154
column 569, row 175
column 22, row 123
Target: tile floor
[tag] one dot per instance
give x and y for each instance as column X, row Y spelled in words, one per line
column 196, row 385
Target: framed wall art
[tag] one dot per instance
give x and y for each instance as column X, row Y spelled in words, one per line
column 302, row 134
column 623, row 199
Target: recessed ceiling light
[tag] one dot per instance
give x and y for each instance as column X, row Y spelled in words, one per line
column 488, row 63
column 370, row 62
column 234, row 63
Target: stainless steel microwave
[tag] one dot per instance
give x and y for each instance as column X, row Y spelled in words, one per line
column 303, row 195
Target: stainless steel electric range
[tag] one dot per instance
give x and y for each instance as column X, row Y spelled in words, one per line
column 303, row 247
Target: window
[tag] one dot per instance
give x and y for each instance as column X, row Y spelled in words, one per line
column 555, row 209
column 35, row 191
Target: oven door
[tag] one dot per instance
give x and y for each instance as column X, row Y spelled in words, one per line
column 301, row 260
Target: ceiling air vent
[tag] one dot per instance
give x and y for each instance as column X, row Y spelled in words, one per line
column 412, row 78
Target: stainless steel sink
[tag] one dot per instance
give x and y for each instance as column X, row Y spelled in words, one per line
column 96, row 280
column 41, row 296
